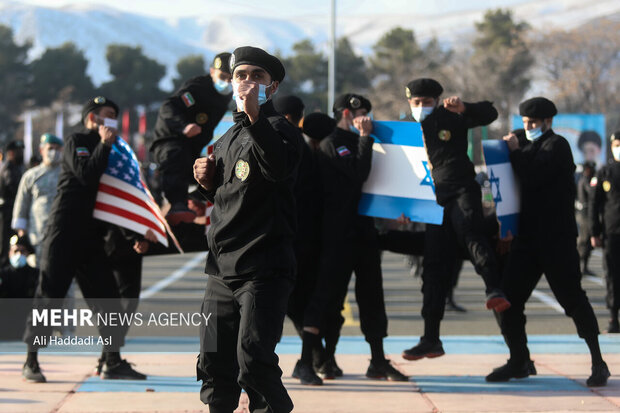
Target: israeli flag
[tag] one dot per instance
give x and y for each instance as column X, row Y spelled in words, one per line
column 400, row 178
column 504, row 186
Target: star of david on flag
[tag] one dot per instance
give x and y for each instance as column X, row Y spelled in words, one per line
column 123, row 198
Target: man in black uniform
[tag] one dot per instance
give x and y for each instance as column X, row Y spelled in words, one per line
column 546, row 242
column 184, row 126
column 10, row 174
column 307, row 242
column 605, row 226
column 349, row 240
column 584, row 194
column 445, row 139
column 250, row 179
column 73, row 243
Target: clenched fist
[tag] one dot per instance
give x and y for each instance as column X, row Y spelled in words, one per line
column 204, row 171
column 454, row 104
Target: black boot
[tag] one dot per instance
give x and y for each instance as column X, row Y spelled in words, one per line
column 425, row 348
column 512, row 370
column 600, row 374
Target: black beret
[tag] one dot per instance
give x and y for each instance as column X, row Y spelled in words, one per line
column 423, row 87
column 97, row 102
column 248, row 55
column 23, row 241
column 615, row 135
column 589, row 136
column 13, row 145
column 351, row 101
column 289, row 105
column 538, row 108
column 222, row 62
column 318, row 125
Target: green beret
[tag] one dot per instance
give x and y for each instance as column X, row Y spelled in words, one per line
column 52, row 139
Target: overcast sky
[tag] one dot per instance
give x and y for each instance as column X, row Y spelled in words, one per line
column 282, row 8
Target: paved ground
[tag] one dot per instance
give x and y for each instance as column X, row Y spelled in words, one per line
column 453, row 383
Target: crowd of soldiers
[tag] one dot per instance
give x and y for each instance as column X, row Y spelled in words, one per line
column 285, row 235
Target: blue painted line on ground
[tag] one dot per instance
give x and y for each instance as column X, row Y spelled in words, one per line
column 152, row 383
column 538, row 344
column 477, row 384
column 427, row 384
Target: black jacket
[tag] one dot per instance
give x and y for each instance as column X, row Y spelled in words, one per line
column 308, row 196
column 604, row 211
column 345, row 161
column 196, row 101
column 253, row 221
column 85, row 158
column 545, row 169
column 18, row 282
column 10, row 174
column 445, row 137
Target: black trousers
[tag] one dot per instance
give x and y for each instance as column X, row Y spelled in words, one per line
column 583, row 241
column 462, row 229
column 6, row 214
column 307, row 258
column 362, row 256
column 65, row 256
column 176, row 162
column 127, row 271
column 246, row 324
column 612, row 275
column 558, row 259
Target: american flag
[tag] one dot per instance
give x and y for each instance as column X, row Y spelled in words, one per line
column 123, row 198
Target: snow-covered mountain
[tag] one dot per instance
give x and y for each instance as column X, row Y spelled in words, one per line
column 92, row 28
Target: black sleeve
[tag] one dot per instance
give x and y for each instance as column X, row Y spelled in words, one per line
column 277, row 151
column 364, row 157
column 597, row 206
column 87, row 169
column 479, row 114
column 172, row 114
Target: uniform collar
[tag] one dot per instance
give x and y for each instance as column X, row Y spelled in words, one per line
column 343, row 133
column 266, row 109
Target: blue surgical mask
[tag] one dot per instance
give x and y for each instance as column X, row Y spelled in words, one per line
column 222, row 86
column 533, row 134
column 18, row 260
column 262, row 96
column 420, row 113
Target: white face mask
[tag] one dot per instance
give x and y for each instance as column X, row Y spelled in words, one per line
column 420, row 113
column 615, row 151
column 53, row 157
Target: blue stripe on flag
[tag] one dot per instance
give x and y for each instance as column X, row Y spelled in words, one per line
column 509, row 222
column 392, row 207
column 495, row 151
column 398, row 133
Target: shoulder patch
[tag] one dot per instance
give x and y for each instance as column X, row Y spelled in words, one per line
column 82, row 151
column 188, row 99
column 343, row 151
column 593, row 181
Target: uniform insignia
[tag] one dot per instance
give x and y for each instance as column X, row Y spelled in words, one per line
column 242, row 170
column 82, row 151
column 593, row 181
column 343, row 151
column 188, row 99
column 217, row 63
column 231, row 61
column 201, row 118
column 100, row 100
column 606, row 186
column 445, row 135
column 355, row 103
column 407, row 93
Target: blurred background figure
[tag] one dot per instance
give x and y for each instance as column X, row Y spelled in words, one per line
column 11, row 172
